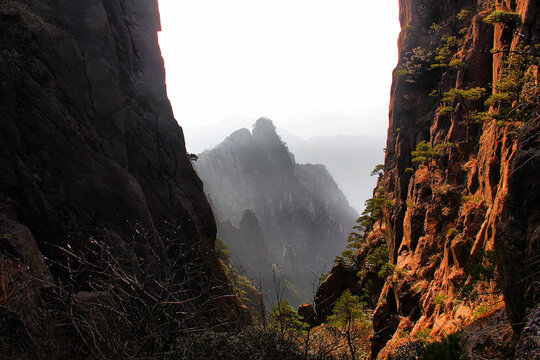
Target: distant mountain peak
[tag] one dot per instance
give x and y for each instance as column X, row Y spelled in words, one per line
column 241, row 136
column 264, row 131
column 264, row 124
column 293, row 208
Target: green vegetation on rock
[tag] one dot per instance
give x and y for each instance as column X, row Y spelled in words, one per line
column 503, row 17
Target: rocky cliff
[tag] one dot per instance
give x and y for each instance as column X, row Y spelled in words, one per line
column 91, row 156
column 302, row 215
column 459, row 195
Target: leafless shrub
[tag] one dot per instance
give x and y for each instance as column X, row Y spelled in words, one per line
column 111, row 301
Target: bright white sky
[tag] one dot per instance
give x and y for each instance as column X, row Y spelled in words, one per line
column 315, row 67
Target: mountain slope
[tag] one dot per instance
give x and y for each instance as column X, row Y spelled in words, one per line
column 349, row 158
column 303, row 215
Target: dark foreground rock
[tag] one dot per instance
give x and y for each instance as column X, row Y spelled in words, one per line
column 89, row 146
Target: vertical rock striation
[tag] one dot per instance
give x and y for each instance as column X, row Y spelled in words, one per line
column 461, row 216
column 462, row 211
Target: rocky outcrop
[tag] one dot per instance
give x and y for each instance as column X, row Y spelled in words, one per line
column 247, row 244
column 518, row 232
column 488, row 337
column 303, row 215
column 528, row 346
column 18, row 239
column 88, row 135
column 459, row 204
column 88, row 142
column 460, row 195
column 359, row 274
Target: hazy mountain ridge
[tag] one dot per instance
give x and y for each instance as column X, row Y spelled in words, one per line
column 300, row 209
column 349, row 158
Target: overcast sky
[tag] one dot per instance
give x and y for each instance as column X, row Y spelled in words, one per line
column 315, row 67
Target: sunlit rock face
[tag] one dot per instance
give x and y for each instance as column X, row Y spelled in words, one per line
column 88, row 141
column 303, row 216
column 460, row 213
column 462, row 222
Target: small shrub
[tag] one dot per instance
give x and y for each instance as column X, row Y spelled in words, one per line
column 484, row 267
column 446, row 110
column 378, row 258
column 498, row 99
column 423, row 334
column 284, row 318
column 378, row 169
column 482, row 116
column 503, row 17
column 401, row 273
column 452, row 232
column 464, row 14
column 471, row 198
column 446, row 51
column 440, row 299
column 458, row 64
column 386, row 271
column 424, row 152
column 436, row 28
column 415, row 65
column 400, row 72
column 448, row 348
column 470, row 94
column 347, row 253
column 441, row 189
column 222, row 252
column 481, row 269
column 480, row 312
column 252, row 343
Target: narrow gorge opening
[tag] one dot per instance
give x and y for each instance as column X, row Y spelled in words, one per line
column 117, row 243
column 323, row 86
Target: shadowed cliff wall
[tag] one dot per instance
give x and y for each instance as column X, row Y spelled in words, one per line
column 88, row 142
